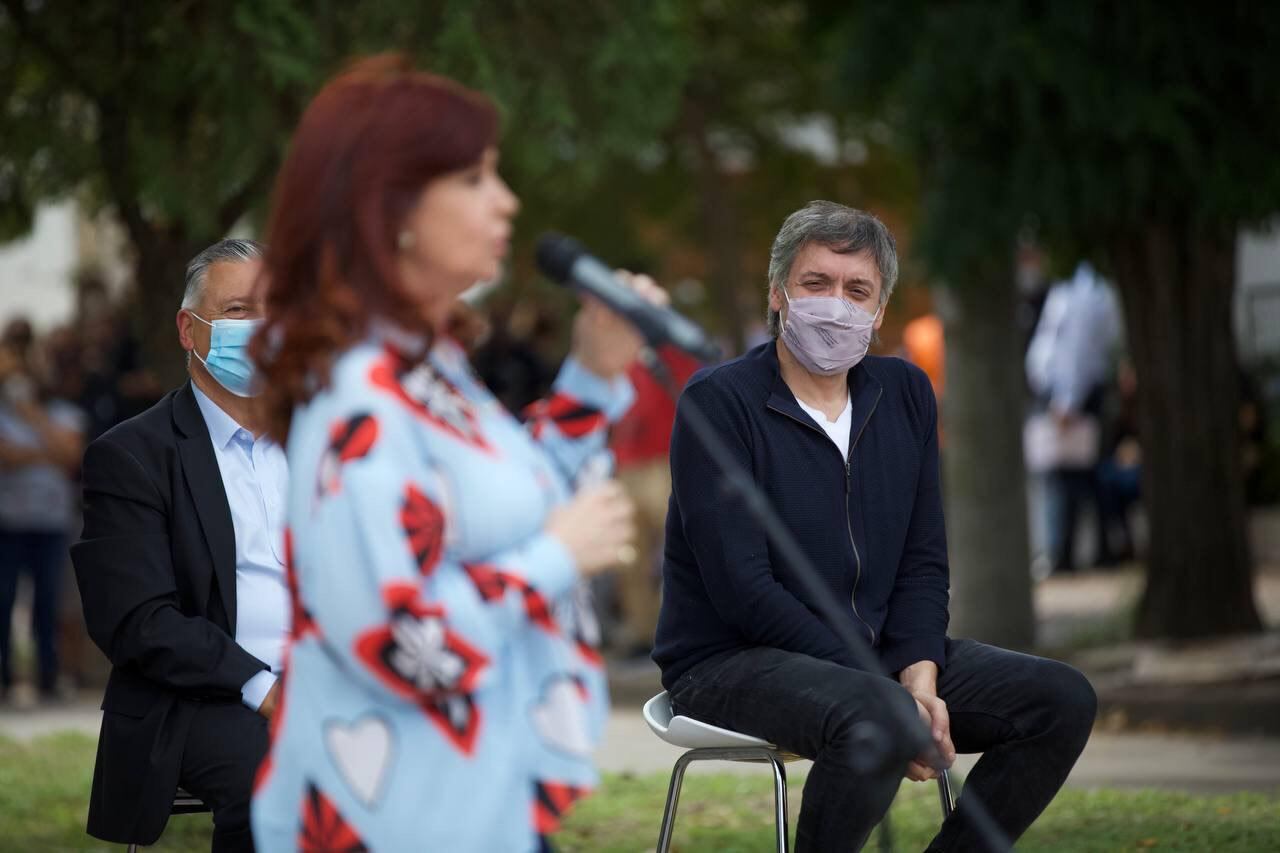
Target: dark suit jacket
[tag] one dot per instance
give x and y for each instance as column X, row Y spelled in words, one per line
column 157, row 575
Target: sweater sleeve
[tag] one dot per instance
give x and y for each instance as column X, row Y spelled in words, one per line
column 572, row 424
column 915, row 627
column 729, row 546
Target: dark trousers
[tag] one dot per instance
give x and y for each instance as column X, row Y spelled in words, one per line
column 42, row 555
column 1070, row 489
column 1029, row 716
column 225, row 745
column 1119, row 488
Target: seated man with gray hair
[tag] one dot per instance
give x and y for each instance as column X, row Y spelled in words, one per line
column 740, row 641
column 181, row 568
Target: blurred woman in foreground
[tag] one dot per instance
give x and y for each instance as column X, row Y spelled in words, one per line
column 442, row 690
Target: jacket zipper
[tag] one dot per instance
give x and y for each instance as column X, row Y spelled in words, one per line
column 848, row 485
column 848, row 476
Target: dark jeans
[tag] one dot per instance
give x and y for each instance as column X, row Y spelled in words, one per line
column 225, row 745
column 1029, row 716
column 1119, row 488
column 1069, row 490
column 41, row 554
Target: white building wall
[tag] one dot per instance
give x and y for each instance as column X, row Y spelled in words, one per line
column 35, row 272
column 1258, row 293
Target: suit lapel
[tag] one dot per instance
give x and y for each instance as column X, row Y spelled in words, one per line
column 204, row 483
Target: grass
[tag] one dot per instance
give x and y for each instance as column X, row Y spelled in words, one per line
column 732, row 814
column 44, row 787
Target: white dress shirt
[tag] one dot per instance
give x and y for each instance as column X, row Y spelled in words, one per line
column 1074, row 346
column 255, row 477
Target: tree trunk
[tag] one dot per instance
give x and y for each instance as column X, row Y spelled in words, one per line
column 717, row 212
column 1177, row 285
column 160, row 265
column 984, row 478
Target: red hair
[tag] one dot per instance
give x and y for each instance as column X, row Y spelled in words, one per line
column 366, row 147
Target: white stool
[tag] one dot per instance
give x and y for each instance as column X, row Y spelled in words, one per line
column 706, row 742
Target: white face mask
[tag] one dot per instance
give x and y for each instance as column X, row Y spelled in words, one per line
column 827, row 334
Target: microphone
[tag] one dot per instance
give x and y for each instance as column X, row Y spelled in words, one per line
column 564, row 260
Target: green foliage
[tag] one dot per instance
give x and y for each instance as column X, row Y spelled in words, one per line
column 183, row 110
column 44, row 789
column 172, row 112
column 744, row 148
column 634, row 124
column 1086, row 119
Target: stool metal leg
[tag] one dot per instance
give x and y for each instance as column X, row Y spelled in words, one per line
column 133, row 848
column 673, row 800
column 736, row 753
column 945, row 795
column 780, row 801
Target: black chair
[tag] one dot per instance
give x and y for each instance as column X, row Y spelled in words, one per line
column 183, row 803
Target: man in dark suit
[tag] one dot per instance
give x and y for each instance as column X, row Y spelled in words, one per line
column 181, row 571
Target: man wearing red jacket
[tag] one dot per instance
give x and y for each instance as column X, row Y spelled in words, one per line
column 640, row 442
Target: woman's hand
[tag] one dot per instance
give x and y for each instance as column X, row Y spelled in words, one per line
column 596, row 527
column 604, row 342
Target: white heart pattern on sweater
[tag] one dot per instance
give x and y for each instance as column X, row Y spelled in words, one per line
column 361, row 750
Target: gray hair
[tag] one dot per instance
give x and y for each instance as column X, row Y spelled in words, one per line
column 234, row 250
column 840, row 228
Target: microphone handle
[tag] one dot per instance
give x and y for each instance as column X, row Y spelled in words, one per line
column 656, row 325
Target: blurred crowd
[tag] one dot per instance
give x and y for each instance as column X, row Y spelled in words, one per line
column 58, row 391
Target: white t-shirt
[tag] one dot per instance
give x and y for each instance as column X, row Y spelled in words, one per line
column 837, row 429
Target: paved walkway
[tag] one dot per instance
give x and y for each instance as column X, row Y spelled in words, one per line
column 1197, row 764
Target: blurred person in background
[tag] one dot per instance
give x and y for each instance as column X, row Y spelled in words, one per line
column 443, row 691
column 1120, row 469
column 100, row 344
column 640, row 442
column 509, row 361
column 62, row 354
column 181, row 574
column 41, row 438
column 1033, row 288
column 1070, row 362
column 924, row 345
column 115, row 384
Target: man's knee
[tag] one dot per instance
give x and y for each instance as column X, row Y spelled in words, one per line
column 1068, row 699
column 885, row 731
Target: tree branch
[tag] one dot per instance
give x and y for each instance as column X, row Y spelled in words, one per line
column 113, row 148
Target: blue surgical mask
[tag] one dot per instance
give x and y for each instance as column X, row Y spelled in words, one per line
column 228, row 361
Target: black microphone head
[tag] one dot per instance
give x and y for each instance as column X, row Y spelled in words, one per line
column 556, row 254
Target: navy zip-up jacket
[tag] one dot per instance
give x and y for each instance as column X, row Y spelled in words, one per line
column 871, row 523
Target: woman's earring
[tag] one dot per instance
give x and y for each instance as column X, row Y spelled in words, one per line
column 405, row 240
